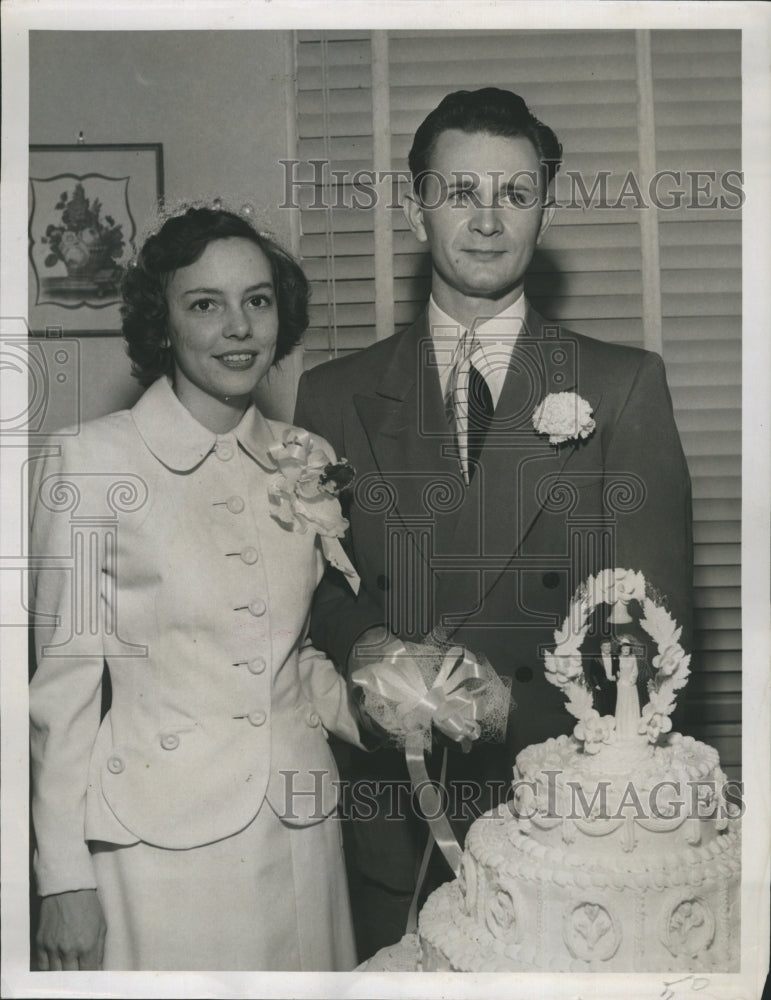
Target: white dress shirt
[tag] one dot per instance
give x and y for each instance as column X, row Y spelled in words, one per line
column 496, row 339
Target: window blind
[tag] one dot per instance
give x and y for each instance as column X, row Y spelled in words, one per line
column 334, row 108
column 600, row 292
column 588, row 271
column 697, row 108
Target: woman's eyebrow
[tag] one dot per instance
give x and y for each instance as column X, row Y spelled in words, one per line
column 218, row 291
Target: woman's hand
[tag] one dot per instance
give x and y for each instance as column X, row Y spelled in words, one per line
column 71, row 932
column 377, row 638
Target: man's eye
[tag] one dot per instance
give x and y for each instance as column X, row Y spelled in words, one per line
column 520, row 198
column 460, row 197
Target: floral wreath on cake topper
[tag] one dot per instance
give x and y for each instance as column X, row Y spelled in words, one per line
column 304, row 493
column 564, row 416
column 564, row 664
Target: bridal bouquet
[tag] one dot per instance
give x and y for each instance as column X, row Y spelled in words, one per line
column 417, row 686
column 414, row 687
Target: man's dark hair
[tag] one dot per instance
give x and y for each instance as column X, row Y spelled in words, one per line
column 180, row 242
column 492, row 111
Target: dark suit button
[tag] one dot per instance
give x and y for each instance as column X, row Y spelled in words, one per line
column 523, row 674
column 551, row 580
column 383, row 582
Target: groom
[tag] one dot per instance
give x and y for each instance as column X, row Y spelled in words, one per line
column 465, row 517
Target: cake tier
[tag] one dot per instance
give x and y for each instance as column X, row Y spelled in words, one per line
column 621, row 799
column 521, row 905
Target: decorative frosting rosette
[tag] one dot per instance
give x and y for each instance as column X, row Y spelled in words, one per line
column 304, row 493
column 669, row 668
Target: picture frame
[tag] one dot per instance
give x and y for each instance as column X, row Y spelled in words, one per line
column 88, row 205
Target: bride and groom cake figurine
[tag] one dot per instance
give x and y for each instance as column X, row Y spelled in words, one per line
column 616, row 678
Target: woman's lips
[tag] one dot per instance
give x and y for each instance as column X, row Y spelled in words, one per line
column 237, row 360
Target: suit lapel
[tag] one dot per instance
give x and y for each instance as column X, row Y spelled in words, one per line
column 405, row 422
column 544, row 361
column 408, row 436
column 517, row 466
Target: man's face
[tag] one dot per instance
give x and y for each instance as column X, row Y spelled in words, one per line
column 481, row 214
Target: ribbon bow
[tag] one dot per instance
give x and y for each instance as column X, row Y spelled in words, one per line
column 451, row 707
column 298, row 461
column 396, row 682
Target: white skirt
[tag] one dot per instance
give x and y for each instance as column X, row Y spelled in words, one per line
column 272, row 897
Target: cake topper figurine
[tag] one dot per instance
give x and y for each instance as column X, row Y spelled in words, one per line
column 627, row 699
column 565, row 664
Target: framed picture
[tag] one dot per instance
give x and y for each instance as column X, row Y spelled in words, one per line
column 87, row 206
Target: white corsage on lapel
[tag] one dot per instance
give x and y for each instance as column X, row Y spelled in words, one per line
column 564, row 416
column 304, row 491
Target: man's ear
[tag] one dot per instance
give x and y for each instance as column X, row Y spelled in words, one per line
column 413, row 212
column 546, row 219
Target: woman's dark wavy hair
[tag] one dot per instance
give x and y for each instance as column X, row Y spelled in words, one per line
column 180, row 242
column 490, row 110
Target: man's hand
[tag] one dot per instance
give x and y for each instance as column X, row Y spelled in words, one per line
column 71, row 932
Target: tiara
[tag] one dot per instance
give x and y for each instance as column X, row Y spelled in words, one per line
column 172, row 209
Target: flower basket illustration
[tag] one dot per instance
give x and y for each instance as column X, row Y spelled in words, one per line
column 86, row 205
column 84, row 242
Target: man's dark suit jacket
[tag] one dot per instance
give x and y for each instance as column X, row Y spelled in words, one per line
column 494, row 564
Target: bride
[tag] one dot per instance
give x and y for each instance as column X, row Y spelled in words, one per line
column 627, row 698
column 192, row 825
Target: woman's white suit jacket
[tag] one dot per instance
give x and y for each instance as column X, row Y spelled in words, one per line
column 153, row 549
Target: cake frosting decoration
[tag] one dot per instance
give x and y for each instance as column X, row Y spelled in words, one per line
column 619, row 848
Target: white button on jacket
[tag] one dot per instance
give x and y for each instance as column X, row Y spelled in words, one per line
column 146, row 497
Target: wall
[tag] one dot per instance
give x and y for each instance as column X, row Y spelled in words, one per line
column 218, row 103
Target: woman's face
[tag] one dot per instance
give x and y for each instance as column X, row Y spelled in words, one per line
column 223, row 327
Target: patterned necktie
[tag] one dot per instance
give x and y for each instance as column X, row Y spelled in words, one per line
column 471, row 405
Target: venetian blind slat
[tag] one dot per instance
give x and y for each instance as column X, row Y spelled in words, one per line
column 585, row 96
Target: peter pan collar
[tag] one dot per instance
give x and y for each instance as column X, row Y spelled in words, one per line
column 176, row 438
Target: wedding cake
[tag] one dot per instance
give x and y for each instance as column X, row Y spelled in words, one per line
column 619, row 848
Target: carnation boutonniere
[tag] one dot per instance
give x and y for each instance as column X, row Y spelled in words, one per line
column 563, row 416
column 304, row 493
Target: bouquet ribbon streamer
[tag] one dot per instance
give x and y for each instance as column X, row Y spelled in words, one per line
column 464, row 698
